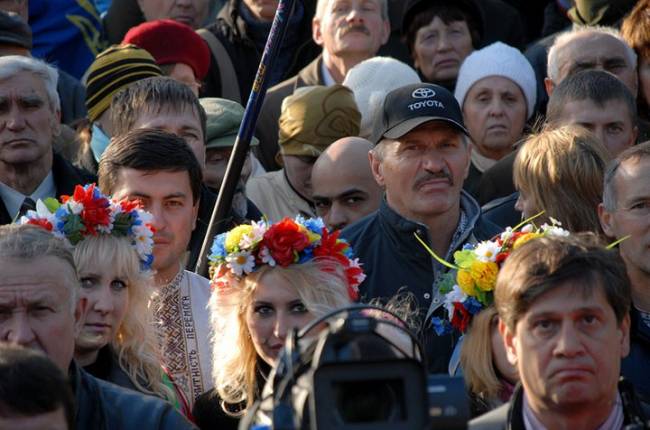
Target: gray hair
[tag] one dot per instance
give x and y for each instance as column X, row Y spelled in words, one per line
column 12, row 65
column 637, row 152
column 320, row 8
column 28, row 242
column 553, row 66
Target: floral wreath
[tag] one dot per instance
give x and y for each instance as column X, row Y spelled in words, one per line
column 246, row 248
column 88, row 212
column 469, row 287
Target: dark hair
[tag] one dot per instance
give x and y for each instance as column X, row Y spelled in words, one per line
column 595, row 85
column 542, row 264
column 635, row 29
column 149, row 150
column 637, row 153
column 152, row 95
column 422, row 14
column 30, row 384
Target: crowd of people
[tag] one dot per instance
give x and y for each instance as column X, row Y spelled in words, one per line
column 479, row 168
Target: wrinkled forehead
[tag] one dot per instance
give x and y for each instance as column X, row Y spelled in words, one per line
column 53, row 280
column 591, row 47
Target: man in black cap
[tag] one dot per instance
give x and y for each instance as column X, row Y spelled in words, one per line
column 421, row 160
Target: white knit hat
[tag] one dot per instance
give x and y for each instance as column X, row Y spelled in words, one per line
column 370, row 81
column 497, row 59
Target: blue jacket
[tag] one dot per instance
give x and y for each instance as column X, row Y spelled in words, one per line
column 394, row 260
column 100, row 405
column 635, row 366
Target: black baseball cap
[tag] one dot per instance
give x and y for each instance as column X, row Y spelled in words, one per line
column 410, row 106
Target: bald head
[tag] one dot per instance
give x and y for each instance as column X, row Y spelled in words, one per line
column 344, row 189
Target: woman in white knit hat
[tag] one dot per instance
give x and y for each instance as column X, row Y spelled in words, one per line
column 496, row 89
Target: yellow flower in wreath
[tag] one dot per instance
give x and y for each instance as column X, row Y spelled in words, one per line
column 466, row 282
column 484, row 274
column 235, row 235
column 525, row 238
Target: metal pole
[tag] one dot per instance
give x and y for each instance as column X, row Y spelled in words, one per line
column 246, row 129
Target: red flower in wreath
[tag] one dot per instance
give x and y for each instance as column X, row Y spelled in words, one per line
column 96, row 211
column 285, row 240
column 330, row 246
column 41, row 222
column 461, row 317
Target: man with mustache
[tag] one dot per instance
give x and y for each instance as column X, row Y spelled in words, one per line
column 421, row 160
column 349, row 31
column 564, row 316
column 30, row 111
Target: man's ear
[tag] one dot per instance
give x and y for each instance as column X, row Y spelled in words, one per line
column 195, row 212
column 80, row 311
column 549, row 86
column 635, row 135
column 386, row 32
column 606, row 221
column 376, row 168
column 316, row 33
column 510, row 341
column 469, row 156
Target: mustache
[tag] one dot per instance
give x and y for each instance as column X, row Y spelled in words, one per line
column 428, row 176
column 359, row 27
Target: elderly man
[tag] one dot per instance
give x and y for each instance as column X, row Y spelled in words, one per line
column 344, row 189
column 39, row 310
column 312, row 118
column 29, row 122
column 625, row 215
column 587, row 48
column 564, row 307
column 349, row 31
column 421, row 161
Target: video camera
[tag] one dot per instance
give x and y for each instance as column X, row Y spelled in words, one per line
column 357, row 368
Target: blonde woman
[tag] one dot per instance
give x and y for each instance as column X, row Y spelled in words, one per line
column 560, row 171
column 112, row 251
column 489, row 377
column 267, row 281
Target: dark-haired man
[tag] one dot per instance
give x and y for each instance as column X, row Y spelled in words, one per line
column 564, row 307
column 159, row 170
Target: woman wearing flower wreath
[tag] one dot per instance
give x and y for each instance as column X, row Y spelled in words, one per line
column 480, row 354
column 113, row 252
column 268, row 279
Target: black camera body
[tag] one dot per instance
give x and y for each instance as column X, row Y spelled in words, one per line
column 357, row 373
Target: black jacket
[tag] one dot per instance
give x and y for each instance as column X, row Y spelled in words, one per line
column 230, row 29
column 100, row 405
column 510, row 415
column 394, row 260
column 635, row 366
column 65, row 175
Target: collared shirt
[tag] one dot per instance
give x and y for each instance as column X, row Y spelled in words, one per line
column 327, row 76
column 613, row 422
column 14, row 199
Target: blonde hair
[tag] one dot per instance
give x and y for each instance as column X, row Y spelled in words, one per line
column 562, row 171
column 476, row 357
column 322, row 287
column 134, row 342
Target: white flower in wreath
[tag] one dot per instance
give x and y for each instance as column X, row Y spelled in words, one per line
column 240, row 263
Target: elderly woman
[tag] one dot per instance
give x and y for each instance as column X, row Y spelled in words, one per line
column 112, row 251
column 561, row 172
column 269, row 279
column 439, row 35
column 496, row 90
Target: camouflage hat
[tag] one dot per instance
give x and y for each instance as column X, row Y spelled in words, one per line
column 314, row 117
column 223, row 120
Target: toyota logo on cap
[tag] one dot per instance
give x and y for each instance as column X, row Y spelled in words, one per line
column 423, row 93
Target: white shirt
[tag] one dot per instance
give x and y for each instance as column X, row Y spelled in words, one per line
column 327, row 76
column 14, row 199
